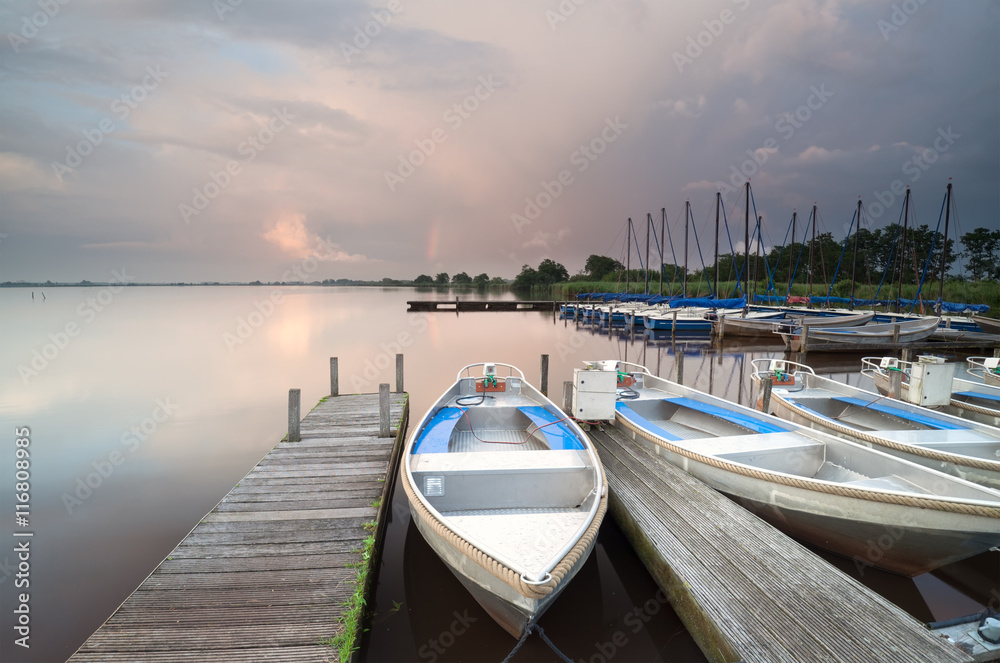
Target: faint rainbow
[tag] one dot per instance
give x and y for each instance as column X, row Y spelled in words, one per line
column 432, row 240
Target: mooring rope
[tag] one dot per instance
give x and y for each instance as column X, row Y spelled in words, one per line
column 541, row 633
column 818, row 486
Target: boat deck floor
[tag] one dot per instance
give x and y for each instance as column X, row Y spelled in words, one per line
column 530, row 536
column 746, row 591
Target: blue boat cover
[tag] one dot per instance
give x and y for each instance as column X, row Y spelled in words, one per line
column 930, row 422
column 734, row 416
column 977, row 394
column 435, row 435
column 708, row 302
column 642, row 422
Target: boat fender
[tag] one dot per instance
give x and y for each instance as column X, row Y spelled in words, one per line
column 989, row 628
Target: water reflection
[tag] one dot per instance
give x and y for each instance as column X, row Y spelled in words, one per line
column 227, row 361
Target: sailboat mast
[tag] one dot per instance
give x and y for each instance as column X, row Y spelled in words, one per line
column 718, row 197
column 902, row 251
column 812, row 246
column 628, row 254
column 944, row 245
column 854, row 265
column 687, row 214
column 746, row 242
column 791, row 251
column 646, row 270
column 663, row 224
column 756, row 259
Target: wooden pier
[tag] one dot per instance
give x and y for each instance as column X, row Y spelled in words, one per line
column 745, row 591
column 459, row 305
column 266, row 574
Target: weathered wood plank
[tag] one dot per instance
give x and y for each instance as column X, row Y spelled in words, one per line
column 265, row 575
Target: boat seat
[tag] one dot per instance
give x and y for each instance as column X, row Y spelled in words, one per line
column 735, row 416
column 890, row 482
column 504, row 479
column 980, row 395
column 437, row 434
column 916, row 417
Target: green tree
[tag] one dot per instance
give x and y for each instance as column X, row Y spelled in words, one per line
column 498, row 280
column 550, row 272
column 442, row 278
column 597, row 267
column 982, row 253
column 423, row 279
column 526, row 279
column 461, row 279
column 481, row 280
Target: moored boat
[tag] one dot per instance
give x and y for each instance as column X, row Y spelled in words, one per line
column 507, row 490
column 955, row 446
column 966, row 399
column 910, row 331
column 988, row 325
column 986, row 369
column 834, row 493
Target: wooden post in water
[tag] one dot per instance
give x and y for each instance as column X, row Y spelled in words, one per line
column 383, row 410
column 399, row 373
column 334, row 377
column 803, row 338
column 896, row 385
column 680, row 366
column 673, row 327
column 545, row 376
column 906, row 354
column 294, row 414
column 765, row 395
column 568, row 397
column 895, row 333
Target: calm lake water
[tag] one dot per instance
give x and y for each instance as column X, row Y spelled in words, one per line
column 147, row 405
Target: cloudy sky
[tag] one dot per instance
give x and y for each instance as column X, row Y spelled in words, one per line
column 232, row 140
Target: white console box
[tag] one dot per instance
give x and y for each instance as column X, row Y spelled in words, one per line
column 594, row 393
column 930, row 381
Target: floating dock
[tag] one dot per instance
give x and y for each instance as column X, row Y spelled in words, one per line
column 457, row 305
column 745, row 591
column 266, row 574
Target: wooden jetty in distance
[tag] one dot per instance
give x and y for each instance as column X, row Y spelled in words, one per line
column 745, row 591
column 458, row 305
column 266, row 575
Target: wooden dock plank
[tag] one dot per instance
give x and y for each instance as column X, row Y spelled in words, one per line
column 745, row 590
column 264, row 575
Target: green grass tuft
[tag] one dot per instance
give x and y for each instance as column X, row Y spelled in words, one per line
column 345, row 642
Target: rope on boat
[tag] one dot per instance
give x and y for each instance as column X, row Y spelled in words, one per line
column 975, row 408
column 933, row 454
column 819, row 486
column 498, row 569
column 541, row 633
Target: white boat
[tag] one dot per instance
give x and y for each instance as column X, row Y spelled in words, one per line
column 967, row 399
column 986, row 369
column 831, row 492
column 507, row 490
column 958, row 447
column 988, row 325
column 762, row 325
column 909, row 331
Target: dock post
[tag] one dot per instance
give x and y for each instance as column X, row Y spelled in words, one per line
column 680, row 366
column 996, row 351
column 906, row 354
column 399, row 373
column 896, row 385
column 294, row 414
column 383, row 410
column 568, row 397
column 334, row 377
column 804, row 339
column 765, row 395
column 673, row 327
column 545, row 375
column 895, row 333
column 722, row 328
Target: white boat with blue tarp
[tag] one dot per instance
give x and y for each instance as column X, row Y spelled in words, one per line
column 834, row 493
column 959, row 447
column 507, row 490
